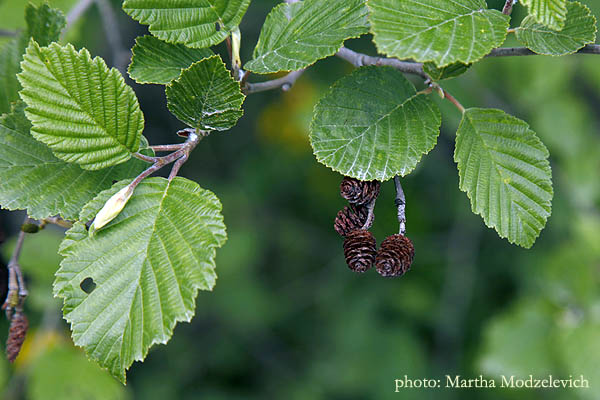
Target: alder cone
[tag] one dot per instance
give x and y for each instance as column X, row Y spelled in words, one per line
column 395, row 256
column 359, row 192
column 360, row 248
column 16, row 336
column 350, row 218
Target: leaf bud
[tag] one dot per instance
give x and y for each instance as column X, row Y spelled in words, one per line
column 30, row 228
column 111, row 209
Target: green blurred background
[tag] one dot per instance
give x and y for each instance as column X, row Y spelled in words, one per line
column 287, row 319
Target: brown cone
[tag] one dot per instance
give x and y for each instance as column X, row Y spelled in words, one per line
column 359, row 192
column 16, row 336
column 395, row 256
column 360, row 248
column 350, row 218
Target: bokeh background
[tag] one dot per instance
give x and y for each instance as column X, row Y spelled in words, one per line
column 287, row 319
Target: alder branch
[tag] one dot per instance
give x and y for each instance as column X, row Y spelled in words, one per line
column 359, row 60
column 17, row 292
column 523, row 51
column 179, row 157
column 77, row 11
column 414, row 68
column 7, row 33
column 284, row 83
column 120, row 56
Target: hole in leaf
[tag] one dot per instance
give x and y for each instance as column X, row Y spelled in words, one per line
column 217, row 26
column 87, row 285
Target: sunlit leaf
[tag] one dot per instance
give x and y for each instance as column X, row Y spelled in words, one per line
column 104, row 122
column 206, row 96
column 195, row 23
column 147, row 266
column 32, row 178
column 579, row 30
column 441, row 31
column 504, row 169
column 550, row 13
column 372, row 124
column 292, row 38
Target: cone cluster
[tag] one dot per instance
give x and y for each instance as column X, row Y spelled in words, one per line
column 352, row 223
column 396, row 253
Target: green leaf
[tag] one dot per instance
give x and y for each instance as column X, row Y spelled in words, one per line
column 292, row 38
column 448, row 72
column 579, row 349
column 372, row 124
column 63, row 372
column 520, row 341
column 44, row 23
column 32, row 178
column 103, row 124
column 504, row 169
column 441, row 31
column 156, row 61
column 550, row 13
column 195, row 23
column 579, row 30
column 11, row 55
column 206, row 96
column 147, row 265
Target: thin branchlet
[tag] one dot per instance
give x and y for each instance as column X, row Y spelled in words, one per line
column 17, row 291
column 179, row 156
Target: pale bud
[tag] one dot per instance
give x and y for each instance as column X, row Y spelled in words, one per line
column 111, row 209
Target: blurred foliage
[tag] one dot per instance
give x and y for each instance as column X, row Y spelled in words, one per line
column 287, row 319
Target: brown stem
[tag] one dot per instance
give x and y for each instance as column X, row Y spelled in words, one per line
column 146, row 158
column 229, row 51
column 176, row 166
column 167, row 147
column 179, row 157
column 453, row 100
column 17, row 291
column 57, row 221
column 370, row 215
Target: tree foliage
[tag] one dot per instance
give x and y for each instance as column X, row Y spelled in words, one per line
column 71, row 125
